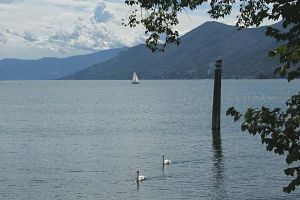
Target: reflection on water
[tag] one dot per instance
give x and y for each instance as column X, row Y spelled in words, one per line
column 218, row 178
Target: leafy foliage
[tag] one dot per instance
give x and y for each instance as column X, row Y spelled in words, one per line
column 279, row 131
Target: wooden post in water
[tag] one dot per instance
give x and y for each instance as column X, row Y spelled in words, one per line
column 217, row 96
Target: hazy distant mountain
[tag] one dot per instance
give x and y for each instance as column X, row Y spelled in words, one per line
column 244, row 54
column 51, row 68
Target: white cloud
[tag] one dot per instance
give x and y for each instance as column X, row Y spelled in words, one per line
column 3, row 39
column 27, row 36
column 101, row 14
column 75, row 31
column 8, row 1
column 65, row 26
column 68, row 27
column 89, row 37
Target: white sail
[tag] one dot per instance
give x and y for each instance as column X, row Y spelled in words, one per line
column 135, row 79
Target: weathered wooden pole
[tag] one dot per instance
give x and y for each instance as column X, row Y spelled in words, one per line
column 217, row 96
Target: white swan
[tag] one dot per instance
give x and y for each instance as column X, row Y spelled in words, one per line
column 139, row 177
column 165, row 161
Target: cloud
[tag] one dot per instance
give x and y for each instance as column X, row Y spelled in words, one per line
column 87, row 31
column 3, row 39
column 30, row 37
column 101, row 14
column 85, row 37
column 61, row 28
column 8, row 1
column 26, row 35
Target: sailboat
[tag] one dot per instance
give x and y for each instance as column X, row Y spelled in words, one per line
column 135, row 79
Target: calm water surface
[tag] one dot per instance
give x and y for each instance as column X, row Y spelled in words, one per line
column 86, row 139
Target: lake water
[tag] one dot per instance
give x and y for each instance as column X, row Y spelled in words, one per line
column 87, row 139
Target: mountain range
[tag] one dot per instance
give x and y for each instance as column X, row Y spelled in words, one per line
column 50, row 67
column 244, row 54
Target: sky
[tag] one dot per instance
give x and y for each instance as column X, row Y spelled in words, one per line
column 31, row 29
